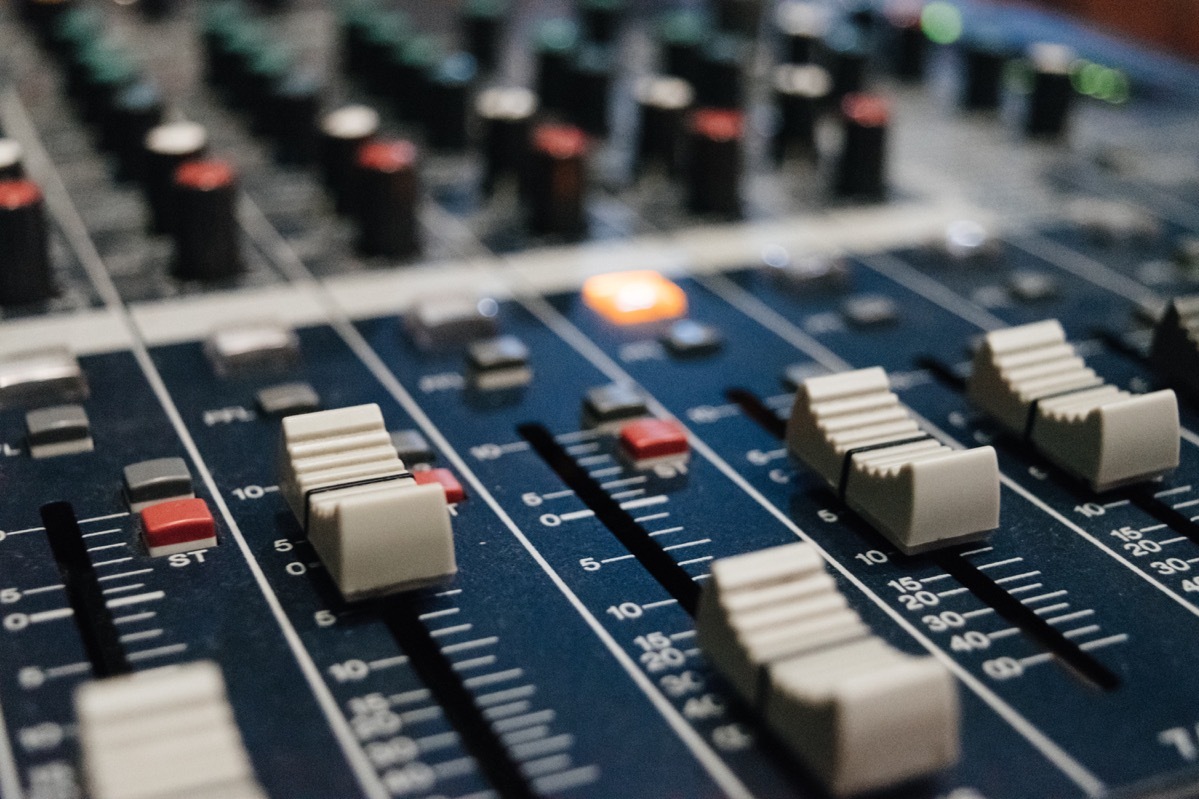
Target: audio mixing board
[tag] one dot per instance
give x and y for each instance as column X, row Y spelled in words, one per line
column 610, row 398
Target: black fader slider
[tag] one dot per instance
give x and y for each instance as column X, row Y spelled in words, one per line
column 557, row 181
column 136, row 111
column 207, row 245
column 861, row 167
column 714, row 162
column 1052, row 90
column 165, row 148
column 25, row 274
column 482, row 30
column 390, row 190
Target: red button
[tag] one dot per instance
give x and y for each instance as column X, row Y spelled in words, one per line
column 181, row 521
column 454, row 492
column 653, row 438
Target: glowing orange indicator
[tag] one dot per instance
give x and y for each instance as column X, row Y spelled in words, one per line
column 633, row 298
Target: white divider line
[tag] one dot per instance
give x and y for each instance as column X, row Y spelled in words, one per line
column 1075, row 771
column 58, row 198
column 275, row 245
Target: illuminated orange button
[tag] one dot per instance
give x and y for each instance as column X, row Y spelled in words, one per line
column 633, row 298
column 454, row 492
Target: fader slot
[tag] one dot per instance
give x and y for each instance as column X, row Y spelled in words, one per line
column 619, row 522
column 1025, row 618
column 426, row 657
column 101, row 640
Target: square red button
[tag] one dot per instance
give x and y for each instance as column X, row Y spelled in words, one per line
column 454, row 492
column 181, row 525
column 653, row 439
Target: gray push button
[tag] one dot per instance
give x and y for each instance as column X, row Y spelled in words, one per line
column 150, row 482
column 412, row 447
column 252, row 348
column 690, row 339
column 498, row 363
column 446, row 322
column 614, row 402
column 288, row 399
column 58, row 430
column 41, row 377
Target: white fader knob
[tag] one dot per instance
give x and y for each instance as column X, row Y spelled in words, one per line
column 376, row 530
column 163, row 732
column 1034, row 383
column 852, row 430
column 859, row 713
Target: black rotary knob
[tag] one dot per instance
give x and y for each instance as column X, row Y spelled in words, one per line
column 1052, row 90
column 165, row 148
column 984, row 60
column 714, row 145
column 556, row 43
column 206, row 235
column 681, row 36
column 721, row 67
column 24, row 246
column 800, row 94
column 295, row 104
column 801, row 27
column 505, row 116
column 847, row 57
column 862, row 165
column 390, row 189
column 342, row 133
column 557, row 180
column 482, row 29
column 664, row 103
column 136, row 111
column 11, row 156
column 906, row 41
column 447, row 119
column 588, row 99
column 739, row 16
column 602, row 18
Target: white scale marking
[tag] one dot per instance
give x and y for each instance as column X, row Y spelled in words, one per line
column 451, row 592
column 506, row 695
column 108, row 546
column 51, row 615
column 421, row 714
column 516, row 722
column 618, row 557
column 592, row 460
column 58, row 197
column 104, row 532
column 1033, row 660
column 43, row 589
column 1169, row 541
column 489, row 679
column 559, row 494
column 140, row 636
column 632, row 492
column 440, row 740
column 120, row 515
column 644, row 502
column 457, row 628
column 542, row 747
column 575, row 515
column 407, row 697
column 387, row 663
column 110, row 562
column 651, row 517
column 476, row 643
column 556, row 783
column 474, row 663
column 1003, row 633
column 149, row 596
column 69, row 669
column 627, row 481
column 605, row 472
column 435, row 614
column 953, row 592
column 1187, row 504
column 162, row 651
column 659, row 604
column 666, row 531
column 123, row 574
column 1170, row 491
column 999, row 563
column 1029, row 587
column 1052, row 608
column 509, row 709
column 980, row 612
column 1039, row 597
column 1013, row 578
column 704, row 559
column 1078, row 614
column 688, row 544
column 120, row 589
column 582, row 449
column 1090, row 628
column 1111, row 639
column 149, row 614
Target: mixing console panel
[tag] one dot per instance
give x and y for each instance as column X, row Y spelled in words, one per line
column 523, row 398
